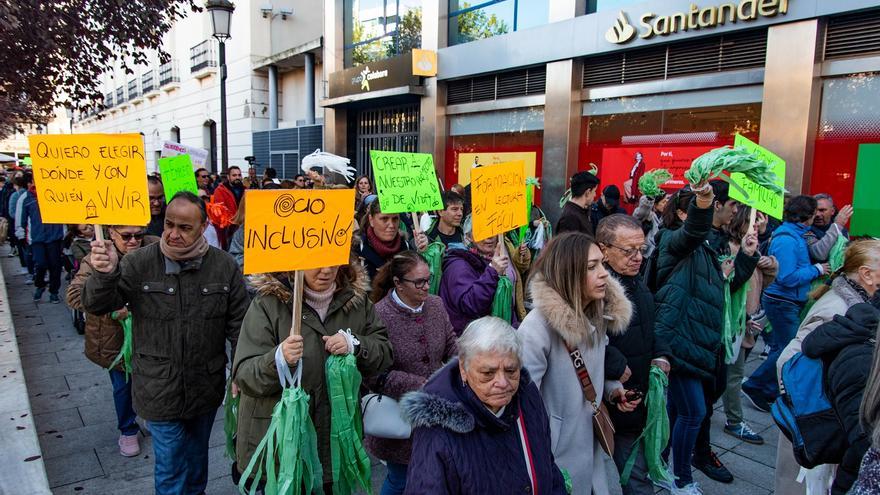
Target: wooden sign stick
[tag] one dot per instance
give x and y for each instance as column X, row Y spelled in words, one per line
column 99, row 232
column 298, row 283
column 752, row 216
column 415, row 220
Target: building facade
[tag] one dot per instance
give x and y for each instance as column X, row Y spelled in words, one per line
column 563, row 84
column 273, row 63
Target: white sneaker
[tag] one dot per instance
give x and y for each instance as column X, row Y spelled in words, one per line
column 692, row 489
column 666, row 485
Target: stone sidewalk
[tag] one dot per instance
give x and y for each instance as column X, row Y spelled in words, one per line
column 74, row 416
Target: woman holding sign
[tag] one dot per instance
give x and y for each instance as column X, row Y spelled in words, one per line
column 337, row 319
column 381, row 239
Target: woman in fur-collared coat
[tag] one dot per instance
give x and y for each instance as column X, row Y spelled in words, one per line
column 576, row 304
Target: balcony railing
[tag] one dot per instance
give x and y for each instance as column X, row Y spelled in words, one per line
column 202, row 56
column 168, row 73
column 148, row 81
column 133, row 90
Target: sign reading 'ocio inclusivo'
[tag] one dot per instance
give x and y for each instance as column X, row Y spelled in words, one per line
column 695, row 18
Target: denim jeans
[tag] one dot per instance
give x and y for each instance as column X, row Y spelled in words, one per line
column 687, row 408
column 639, row 483
column 181, row 451
column 395, row 481
column 125, row 415
column 47, row 257
column 784, row 316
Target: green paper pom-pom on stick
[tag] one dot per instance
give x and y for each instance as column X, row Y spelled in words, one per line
column 712, row 164
column 650, row 182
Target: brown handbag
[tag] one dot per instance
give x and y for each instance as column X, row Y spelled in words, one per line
column 603, row 429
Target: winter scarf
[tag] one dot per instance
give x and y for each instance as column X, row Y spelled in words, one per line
column 195, row 250
column 384, row 249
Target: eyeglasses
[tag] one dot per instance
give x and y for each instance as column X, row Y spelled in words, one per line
column 631, row 252
column 128, row 237
column 418, row 284
column 203, row 177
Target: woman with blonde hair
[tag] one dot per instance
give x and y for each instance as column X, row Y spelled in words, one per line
column 576, row 303
column 856, row 282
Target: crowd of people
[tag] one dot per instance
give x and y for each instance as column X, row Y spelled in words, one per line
column 519, row 361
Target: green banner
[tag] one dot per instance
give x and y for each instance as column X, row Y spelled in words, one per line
column 177, row 175
column 406, row 182
column 759, row 197
column 866, row 207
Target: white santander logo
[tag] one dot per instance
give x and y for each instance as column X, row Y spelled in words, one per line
column 621, row 31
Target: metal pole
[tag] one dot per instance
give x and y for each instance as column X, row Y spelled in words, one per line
column 310, row 88
column 273, row 97
column 224, row 149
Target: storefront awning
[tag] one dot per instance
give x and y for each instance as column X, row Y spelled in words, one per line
column 382, row 93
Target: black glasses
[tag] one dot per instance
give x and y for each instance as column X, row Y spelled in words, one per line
column 419, row 283
column 203, row 177
column 631, row 252
column 127, row 237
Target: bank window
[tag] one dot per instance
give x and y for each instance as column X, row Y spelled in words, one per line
column 380, row 29
column 479, row 19
column 594, row 6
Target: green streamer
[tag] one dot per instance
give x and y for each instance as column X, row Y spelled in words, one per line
column 712, row 164
column 230, row 419
column 434, row 256
column 351, row 465
column 655, row 436
column 501, row 304
column 734, row 314
column 835, row 258
column 531, row 183
column 650, row 182
column 125, row 351
column 288, row 454
column 566, row 479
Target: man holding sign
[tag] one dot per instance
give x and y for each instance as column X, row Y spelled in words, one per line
column 186, row 300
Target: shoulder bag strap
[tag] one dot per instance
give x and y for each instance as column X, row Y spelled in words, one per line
column 583, row 375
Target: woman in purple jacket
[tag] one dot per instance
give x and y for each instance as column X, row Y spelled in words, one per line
column 422, row 339
column 479, row 425
column 470, row 279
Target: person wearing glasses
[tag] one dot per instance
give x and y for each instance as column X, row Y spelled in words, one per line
column 104, row 337
column 422, row 341
column 631, row 354
column 156, row 191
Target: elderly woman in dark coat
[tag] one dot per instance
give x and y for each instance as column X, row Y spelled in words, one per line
column 479, row 425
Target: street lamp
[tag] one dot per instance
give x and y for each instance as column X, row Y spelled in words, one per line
column 221, row 16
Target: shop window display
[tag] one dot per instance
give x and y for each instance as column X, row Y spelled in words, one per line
column 625, row 145
column 849, row 118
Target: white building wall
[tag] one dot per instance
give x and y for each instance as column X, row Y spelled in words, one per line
column 292, row 97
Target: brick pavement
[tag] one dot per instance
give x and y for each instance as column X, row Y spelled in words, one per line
column 73, row 413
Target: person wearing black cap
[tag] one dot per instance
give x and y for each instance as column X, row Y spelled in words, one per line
column 575, row 215
column 608, row 204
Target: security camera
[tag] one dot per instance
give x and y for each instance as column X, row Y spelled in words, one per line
column 286, row 11
column 266, row 9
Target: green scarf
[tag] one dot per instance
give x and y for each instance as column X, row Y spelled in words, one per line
column 734, row 317
column 230, row 419
column 351, row 465
column 125, row 351
column 655, row 436
column 501, row 304
column 835, row 257
column 434, row 256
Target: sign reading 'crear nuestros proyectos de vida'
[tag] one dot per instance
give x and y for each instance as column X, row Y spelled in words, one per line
column 695, row 18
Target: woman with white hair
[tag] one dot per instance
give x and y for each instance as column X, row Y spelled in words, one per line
column 479, row 425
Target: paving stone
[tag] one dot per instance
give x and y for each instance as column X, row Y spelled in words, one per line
column 67, row 400
column 223, row 486
column 71, row 355
column 72, row 468
column 113, row 463
column 109, row 485
column 50, row 346
column 748, row 470
column 38, row 337
column 47, row 386
column 46, row 369
column 36, row 360
column 97, row 377
column 80, row 439
column 55, row 421
column 98, row 413
column 765, row 454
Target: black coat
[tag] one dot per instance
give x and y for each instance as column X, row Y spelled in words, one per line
column 574, row 219
column 846, row 346
column 635, row 348
column 598, row 212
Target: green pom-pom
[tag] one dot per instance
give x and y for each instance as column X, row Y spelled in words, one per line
column 713, row 163
column 650, row 182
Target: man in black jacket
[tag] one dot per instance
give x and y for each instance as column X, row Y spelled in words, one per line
column 575, row 214
column 631, row 354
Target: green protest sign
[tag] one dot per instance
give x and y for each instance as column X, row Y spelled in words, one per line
column 406, row 182
column 866, row 208
column 177, row 175
column 759, row 197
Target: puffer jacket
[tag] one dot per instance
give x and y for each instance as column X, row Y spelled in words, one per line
column 690, row 301
column 636, row 347
column 268, row 323
column 846, row 346
column 461, row 448
column 468, row 288
column 180, row 324
column 796, row 271
column 103, row 335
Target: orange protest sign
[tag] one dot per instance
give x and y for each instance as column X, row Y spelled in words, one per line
column 499, row 198
column 91, row 178
column 297, row 229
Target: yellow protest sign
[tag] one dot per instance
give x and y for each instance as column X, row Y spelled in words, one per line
column 91, row 178
column 468, row 161
column 498, row 197
column 297, row 229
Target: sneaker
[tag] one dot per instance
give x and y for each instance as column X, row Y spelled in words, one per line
column 129, row 446
column 38, row 293
column 757, row 401
column 667, row 484
column 713, row 468
column 764, row 354
column 24, row 271
column 54, row 299
column 692, row 489
column 744, row 433
column 29, row 280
